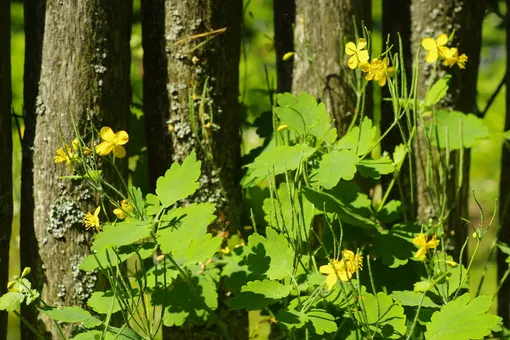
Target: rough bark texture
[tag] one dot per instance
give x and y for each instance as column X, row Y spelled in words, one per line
column 84, row 74
column 5, row 153
column 190, row 103
column 504, row 200
column 284, row 16
column 320, row 28
column 429, row 19
column 184, row 117
column 396, row 20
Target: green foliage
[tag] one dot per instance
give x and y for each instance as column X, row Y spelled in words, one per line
column 304, row 116
column 359, row 139
column 383, row 316
column 462, row 319
column 455, row 129
column 276, row 160
column 103, row 302
column 438, row 91
column 179, row 181
column 71, row 315
column 11, row 301
column 335, row 166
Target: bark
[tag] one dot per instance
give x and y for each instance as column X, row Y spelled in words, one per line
column 396, row 20
column 429, row 19
column 5, row 153
column 284, row 16
column 178, row 66
column 504, row 202
column 84, row 76
column 191, row 81
column 321, row 30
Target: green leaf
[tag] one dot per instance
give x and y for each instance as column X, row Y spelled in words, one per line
column 273, row 253
column 186, row 225
column 437, row 91
column 359, row 140
column 101, row 302
column 335, row 166
column 268, row 288
column 450, row 283
column 276, row 161
column 281, row 214
column 182, row 303
column 200, row 252
column 156, row 276
column 393, row 249
column 153, row 204
column 374, row 168
column 136, row 197
column 121, row 234
column 322, row 321
column 292, row 318
column 71, row 315
column 179, row 181
column 448, row 123
column 399, row 155
column 11, row 301
column 383, row 316
column 303, row 114
column 107, row 257
column 327, row 202
column 462, row 319
column 409, row 298
column 113, row 333
column 390, row 212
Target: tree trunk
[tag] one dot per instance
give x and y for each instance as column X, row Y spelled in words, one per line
column 191, row 81
column 84, row 76
column 5, row 153
column 284, row 16
column 504, row 200
column 429, row 19
column 321, row 30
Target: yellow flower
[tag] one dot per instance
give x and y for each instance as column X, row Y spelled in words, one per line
column 377, row 70
column 282, row 127
column 112, row 142
column 421, row 242
column 64, row 156
column 435, row 47
column 92, row 220
column 125, row 207
column 341, row 270
column 357, row 52
column 451, row 57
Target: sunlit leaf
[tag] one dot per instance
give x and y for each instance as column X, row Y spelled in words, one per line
column 462, row 319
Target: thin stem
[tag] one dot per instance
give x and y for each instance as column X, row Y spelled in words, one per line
column 35, row 331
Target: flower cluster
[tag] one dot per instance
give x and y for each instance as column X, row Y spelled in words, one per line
column 124, row 209
column 422, row 242
column 342, row 270
column 436, row 49
column 376, row 70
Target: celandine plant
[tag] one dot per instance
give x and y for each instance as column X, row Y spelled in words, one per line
column 331, row 263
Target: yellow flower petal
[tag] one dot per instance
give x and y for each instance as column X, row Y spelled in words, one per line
column 121, row 137
column 433, row 243
column 97, row 211
column 363, row 56
column 421, row 254
column 61, row 156
column 350, row 48
column 420, row 240
column 327, row 269
column 331, row 280
column 104, row 148
column 365, row 67
column 431, row 56
column 119, row 213
column 361, row 44
column 119, row 151
column 106, row 133
column 442, row 40
column 352, row 62
column 429, row 44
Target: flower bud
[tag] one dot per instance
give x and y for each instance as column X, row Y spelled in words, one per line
column 26, row 271
column 11, row 284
